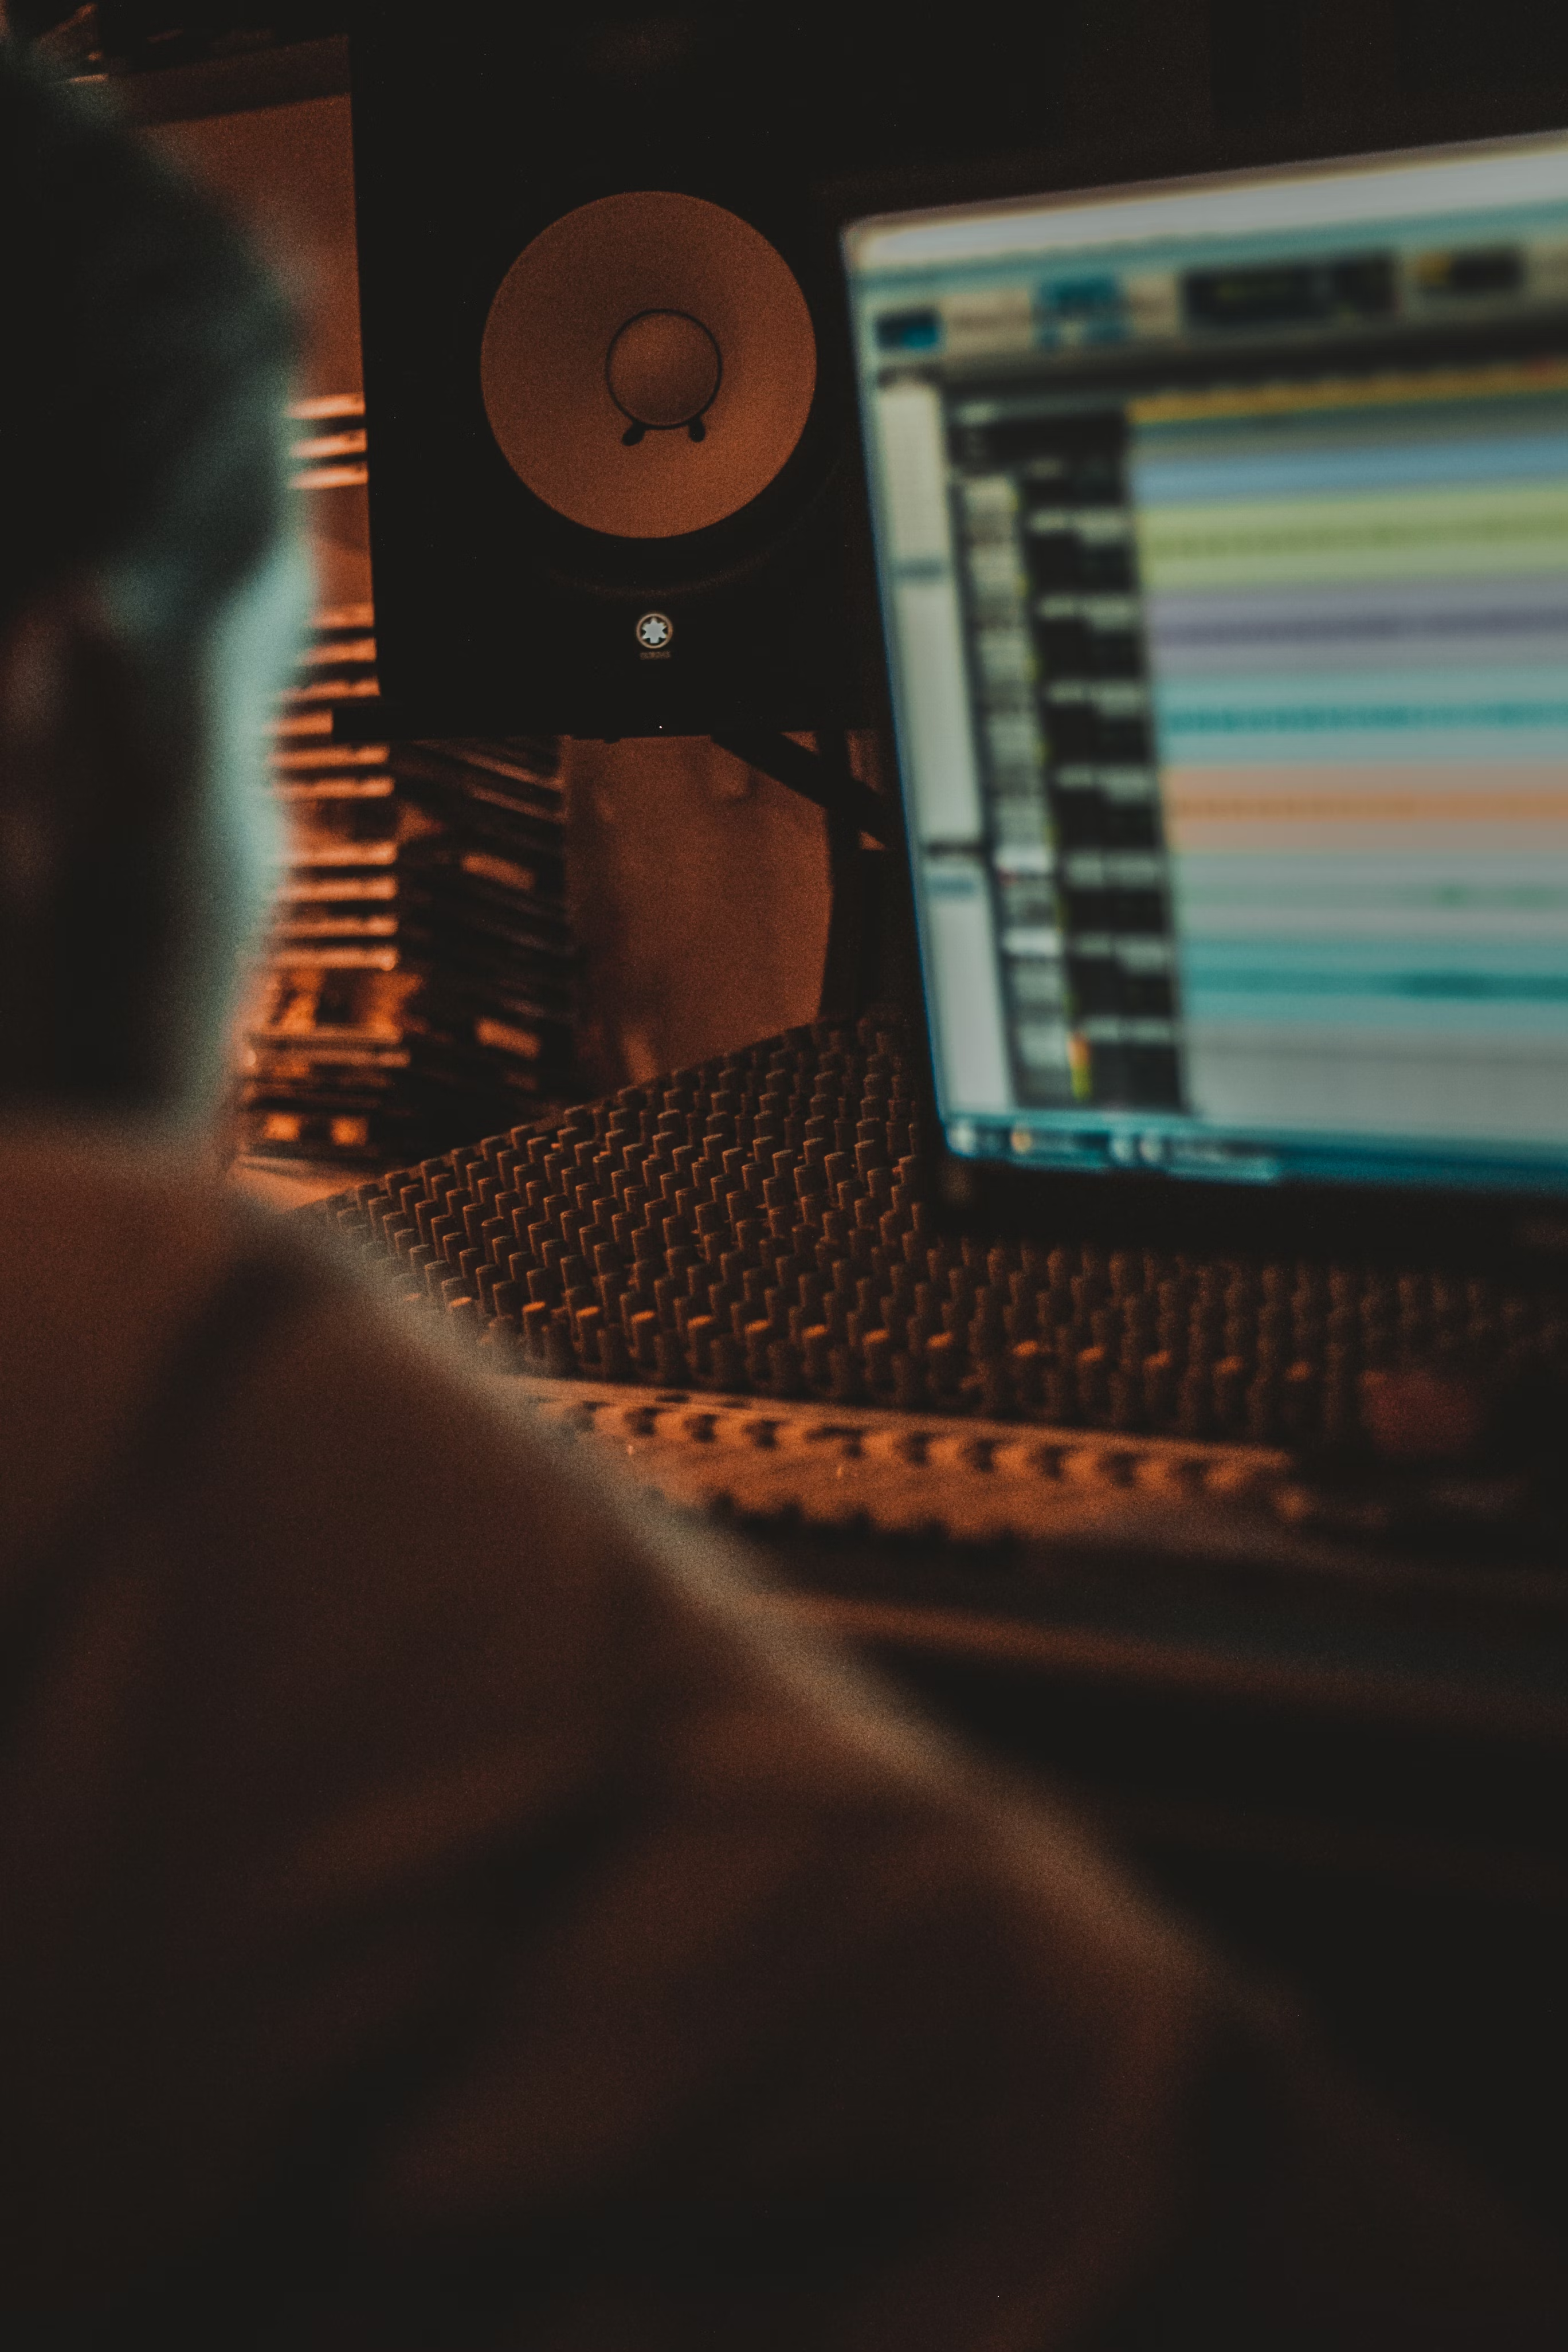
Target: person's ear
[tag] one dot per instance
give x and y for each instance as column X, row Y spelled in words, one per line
column 64, row 672
column 66, row 747
column 33, row 665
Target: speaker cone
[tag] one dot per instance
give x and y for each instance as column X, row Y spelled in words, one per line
column 649, row 364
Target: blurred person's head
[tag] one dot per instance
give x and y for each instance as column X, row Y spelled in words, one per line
column 150, row 594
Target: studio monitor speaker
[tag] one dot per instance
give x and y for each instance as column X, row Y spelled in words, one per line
column 614, row 466
column 615, row 479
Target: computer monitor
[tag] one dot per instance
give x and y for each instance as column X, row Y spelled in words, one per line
column 1222, row 530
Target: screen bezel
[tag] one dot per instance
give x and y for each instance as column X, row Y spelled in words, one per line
column 1472, row 1227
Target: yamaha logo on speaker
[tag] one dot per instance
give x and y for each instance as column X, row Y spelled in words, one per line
column 653, row 634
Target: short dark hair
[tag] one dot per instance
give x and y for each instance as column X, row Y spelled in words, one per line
column 147, row 349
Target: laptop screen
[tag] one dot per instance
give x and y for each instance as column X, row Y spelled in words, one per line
column 1223, row 538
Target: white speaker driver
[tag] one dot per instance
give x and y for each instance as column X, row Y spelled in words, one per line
column 649, row 364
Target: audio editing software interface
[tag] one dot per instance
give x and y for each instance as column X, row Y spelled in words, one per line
column 1223, row 532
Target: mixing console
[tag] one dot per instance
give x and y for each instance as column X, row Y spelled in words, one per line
column 756, row 1225
column 1111, row 1513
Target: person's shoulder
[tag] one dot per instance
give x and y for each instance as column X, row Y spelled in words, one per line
column 131, row 1272
column 357, row 1443
column 112, row 1246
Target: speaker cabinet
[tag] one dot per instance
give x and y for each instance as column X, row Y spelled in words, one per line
column 615, row 480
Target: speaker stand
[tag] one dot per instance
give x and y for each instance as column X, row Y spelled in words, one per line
column 825, row 778
column 856, row 876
